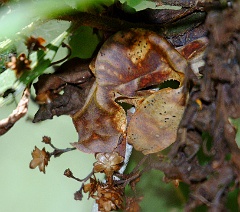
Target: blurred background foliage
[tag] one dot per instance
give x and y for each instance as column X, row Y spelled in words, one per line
column 23, row 189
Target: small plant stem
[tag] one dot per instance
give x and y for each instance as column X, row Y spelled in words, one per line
column 84, row 179
column 57, row 152
column 66, row 57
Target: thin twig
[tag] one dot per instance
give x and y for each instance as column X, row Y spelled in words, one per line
column 57, row 152
column 84, row 179
column 66, row 57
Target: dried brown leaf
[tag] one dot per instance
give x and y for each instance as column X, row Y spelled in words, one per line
column 128, row 62
column 193, row 52
column 99, row 129
column 68, row 103
column 153, row 127
column 135, row 59
column 74, row 79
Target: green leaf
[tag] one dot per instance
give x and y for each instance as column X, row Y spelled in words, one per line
column 7, row 79
column 144, row 4
column 41, row 60
column 23, row 15
column 236, row 124
column 5, row 44
column 83, row 42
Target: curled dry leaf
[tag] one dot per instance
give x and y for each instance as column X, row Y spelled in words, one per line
column 40, row 159
column 18, row 113
column 193, row 52
column 153, row 127
column 99, row 129
column 128, row 62
column 108, row 163
column 74, row 79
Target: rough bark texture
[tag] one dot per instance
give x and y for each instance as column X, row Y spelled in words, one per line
column 214, row 99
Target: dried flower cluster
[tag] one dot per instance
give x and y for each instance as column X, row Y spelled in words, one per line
column 108, row 163
column 40, row 159
column 22, row 63
column 34, row 44
column 19, row 64
column 109, row 198
column 109, row 195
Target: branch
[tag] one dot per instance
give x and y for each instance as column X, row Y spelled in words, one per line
column 104, row 22
column 189, row 19
column 22, row 108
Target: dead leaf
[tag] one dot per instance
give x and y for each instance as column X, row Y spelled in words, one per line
column 153, row 127
column 68, row 103
column 128, row 62
column 194, row 52
column 193, row 49
column 74, row 79
column 135, row 59
column 99, row 129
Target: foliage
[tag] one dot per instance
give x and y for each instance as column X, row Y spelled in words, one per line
column 118, row 99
